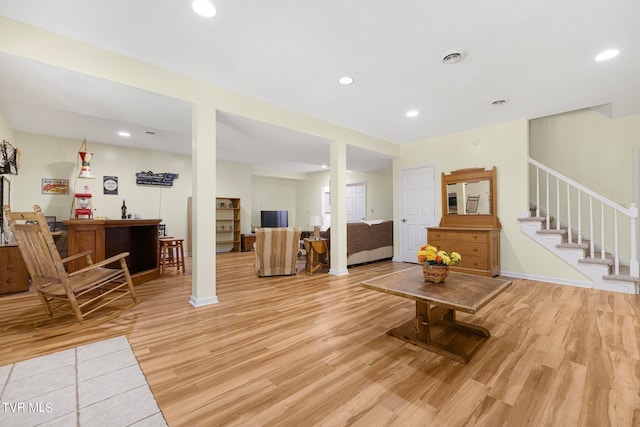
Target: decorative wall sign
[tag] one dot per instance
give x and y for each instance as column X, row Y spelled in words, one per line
column 55, row 186
column 110, row 185
column 164, row 179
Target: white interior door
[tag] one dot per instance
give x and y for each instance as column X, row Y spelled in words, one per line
column 356, row 202
column 417, row 209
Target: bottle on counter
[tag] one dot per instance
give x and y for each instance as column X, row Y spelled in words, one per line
column 124, row 209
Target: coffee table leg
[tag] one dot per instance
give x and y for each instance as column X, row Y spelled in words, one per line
column 418, row 332
column 423, row 322
column 449, row 319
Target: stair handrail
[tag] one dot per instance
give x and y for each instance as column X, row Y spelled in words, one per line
column 631, row 212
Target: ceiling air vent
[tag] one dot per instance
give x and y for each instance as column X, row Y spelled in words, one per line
column 452, row 57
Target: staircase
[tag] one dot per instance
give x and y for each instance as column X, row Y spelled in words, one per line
column 574, row 223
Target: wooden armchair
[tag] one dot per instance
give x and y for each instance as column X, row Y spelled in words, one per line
column 277, row 251
column 83, row 291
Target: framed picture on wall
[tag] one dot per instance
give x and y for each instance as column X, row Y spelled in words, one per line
column 110, row 185
column 54, row 186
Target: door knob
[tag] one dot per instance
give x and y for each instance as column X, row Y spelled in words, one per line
column 404, row 220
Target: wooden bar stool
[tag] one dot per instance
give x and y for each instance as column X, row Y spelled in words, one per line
column 171, row 254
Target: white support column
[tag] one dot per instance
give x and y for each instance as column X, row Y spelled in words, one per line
column 338, row 185
column 203, row 161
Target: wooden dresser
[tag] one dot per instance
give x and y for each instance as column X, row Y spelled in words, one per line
column 469, row 224
column 479, row 248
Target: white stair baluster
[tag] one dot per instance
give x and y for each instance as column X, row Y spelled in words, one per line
column 633, row 220
column 569, row 237
column 591, row 247
column 616, row 268
column 579, row 217
column 557, row 203
column 537, row 192
column 547, row 207
column 602, row 242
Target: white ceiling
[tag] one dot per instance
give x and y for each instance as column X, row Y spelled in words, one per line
column 537, row 54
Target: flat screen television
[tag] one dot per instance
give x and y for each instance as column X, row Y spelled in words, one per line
column 274, row 218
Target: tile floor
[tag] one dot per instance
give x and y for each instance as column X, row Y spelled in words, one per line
column 97, row 384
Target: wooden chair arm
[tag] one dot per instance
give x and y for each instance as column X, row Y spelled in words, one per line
column 79, row 255
column 102, row 263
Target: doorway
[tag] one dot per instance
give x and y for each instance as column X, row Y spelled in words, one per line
column 356, row 202
column 417, row 209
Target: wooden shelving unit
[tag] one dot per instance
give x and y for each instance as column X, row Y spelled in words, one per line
column 227, row 224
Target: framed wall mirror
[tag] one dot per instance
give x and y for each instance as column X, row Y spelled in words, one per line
column 469, row 198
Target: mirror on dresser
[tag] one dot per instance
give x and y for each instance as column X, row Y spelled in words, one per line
column 469, row 224
column 469, row 198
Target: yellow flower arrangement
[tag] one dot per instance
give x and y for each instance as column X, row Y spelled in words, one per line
column 430, row 255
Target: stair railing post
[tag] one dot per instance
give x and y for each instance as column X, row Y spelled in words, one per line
column 557, row 203
column 615, row 243
column 548, row 222
column 569, row 238
column 603, row 243
column 579, row 217
column 537, row 192
column 591, row 239
column 633, row 219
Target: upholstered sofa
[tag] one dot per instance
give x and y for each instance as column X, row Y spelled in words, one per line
column 276, row 251
column 367, row 241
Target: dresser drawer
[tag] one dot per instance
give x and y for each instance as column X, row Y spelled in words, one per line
column 469, row 248
column 459, row 236
column 480, row 263
column 479, row 248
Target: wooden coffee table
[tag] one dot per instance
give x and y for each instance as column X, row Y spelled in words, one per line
column 436, row 304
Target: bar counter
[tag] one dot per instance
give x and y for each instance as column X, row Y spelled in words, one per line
column 110, row 237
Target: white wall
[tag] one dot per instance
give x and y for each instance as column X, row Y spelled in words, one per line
column 506, row 147
column 379, row 195
column 589, row 148
column 273, row 194
column 50, row 157
column 234, row 180
column 6, row 131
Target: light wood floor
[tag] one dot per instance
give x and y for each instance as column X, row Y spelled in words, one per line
column 313, row 350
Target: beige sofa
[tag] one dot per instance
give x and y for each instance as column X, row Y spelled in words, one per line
column 277, row 251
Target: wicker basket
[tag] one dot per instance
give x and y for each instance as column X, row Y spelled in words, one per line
column 435, row 273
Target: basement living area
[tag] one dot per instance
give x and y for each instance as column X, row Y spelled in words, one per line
column 255, row 289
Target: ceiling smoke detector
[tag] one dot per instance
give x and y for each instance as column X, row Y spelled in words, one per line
column 452, row 56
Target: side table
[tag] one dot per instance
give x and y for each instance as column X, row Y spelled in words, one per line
column 14, row 276
column 246, row 242
column 317, row 254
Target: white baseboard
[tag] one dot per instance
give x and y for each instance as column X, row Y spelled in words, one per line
column 200, row 302
column 338, row 272
column 577, row 283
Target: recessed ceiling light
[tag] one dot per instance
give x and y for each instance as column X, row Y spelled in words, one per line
column 607, row 54
column 346, row 80
column 498, row 102
column 204, row 8
column 452, row 56
column 325, row 167
column 413, row 113
column 124, row 133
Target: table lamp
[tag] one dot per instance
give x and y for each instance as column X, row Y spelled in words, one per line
column 316, row 222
